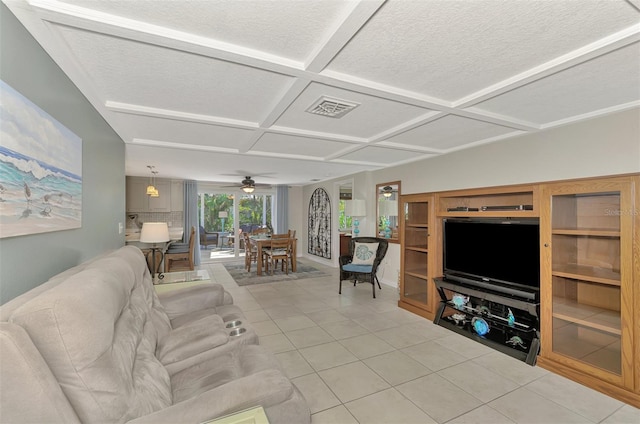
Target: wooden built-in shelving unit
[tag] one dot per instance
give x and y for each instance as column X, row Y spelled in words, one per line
column 590, row 269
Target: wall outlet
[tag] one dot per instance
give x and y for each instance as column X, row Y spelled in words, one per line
column 120, row 227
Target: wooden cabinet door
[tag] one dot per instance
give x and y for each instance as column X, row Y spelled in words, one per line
column 137, row 196
column 417, row 251
column 162, row 203
column 587, row 299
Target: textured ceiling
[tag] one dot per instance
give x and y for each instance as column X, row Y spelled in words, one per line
column 214, row 90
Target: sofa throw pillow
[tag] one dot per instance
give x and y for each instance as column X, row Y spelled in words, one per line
column 364, row 253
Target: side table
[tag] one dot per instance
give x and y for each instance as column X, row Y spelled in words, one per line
column 181, row 279
column 248, row 416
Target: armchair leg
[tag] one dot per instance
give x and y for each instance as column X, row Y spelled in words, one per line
column 340, row 289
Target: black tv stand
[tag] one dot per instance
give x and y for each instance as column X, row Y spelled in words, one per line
column 513, row 322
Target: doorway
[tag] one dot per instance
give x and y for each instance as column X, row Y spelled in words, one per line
column 224, row 215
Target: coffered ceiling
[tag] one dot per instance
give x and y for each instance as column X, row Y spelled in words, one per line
column 214, row 90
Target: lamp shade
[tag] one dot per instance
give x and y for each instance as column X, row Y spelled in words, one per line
column 223, row 214
column 388, row 208
column 355, row 207
column 154, row 232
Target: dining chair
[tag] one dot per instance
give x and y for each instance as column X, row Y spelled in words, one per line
column 250, row 252
column 180, row 259
column 260, row 231
column 283, row 235
column 292, row 239
column 280, row 250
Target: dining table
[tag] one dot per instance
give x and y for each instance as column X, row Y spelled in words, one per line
column 262, row 241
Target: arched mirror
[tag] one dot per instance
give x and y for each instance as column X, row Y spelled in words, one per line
column 388, row 197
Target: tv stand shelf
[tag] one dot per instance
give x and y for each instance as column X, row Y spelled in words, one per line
column 519, row 338
column 509, row 201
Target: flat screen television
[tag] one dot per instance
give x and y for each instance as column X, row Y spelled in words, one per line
column 498, row 254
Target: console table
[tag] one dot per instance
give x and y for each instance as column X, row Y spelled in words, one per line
column 181, row 279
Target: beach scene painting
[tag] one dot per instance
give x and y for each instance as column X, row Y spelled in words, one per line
column 40, row 169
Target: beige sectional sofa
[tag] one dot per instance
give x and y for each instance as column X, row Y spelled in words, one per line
column 96, row 344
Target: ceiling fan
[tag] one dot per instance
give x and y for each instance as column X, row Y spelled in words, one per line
column 248, row 185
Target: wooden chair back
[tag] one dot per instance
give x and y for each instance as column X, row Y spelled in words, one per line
column 181, row 261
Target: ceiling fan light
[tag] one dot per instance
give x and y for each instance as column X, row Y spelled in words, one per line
column 248, row 189
column 387, row 191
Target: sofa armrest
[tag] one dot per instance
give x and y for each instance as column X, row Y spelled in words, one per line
column 30, row 391
column 266, row 388
column 192, row 299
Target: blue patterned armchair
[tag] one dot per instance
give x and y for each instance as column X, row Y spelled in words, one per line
column 361, row 264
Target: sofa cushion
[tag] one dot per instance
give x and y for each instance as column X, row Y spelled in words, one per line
column 95, row 333
column 227, row 366
column 191, row 340
column 364, row 253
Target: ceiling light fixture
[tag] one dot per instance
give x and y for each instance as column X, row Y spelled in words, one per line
column 151, row 188
column 387, row 191
column 152, row 191
column 248, row 185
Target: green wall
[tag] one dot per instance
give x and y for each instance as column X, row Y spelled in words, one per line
column 27, row 261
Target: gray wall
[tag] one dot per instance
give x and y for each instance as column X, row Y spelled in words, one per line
column 608, row 145
column 28, row 261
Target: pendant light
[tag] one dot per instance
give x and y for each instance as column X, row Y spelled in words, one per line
column 151, row 189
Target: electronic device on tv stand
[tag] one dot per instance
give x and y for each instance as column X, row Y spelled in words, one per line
column 508, row 208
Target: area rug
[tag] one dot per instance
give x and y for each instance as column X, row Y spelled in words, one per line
column 243, row 278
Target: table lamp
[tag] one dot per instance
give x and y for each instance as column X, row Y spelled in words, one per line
column 223, row 215
column 154, row 233
column 355, row 209
column 388, row 208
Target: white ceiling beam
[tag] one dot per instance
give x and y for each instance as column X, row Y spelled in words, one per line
column 175, row 115
column 248, row 145
column 409, row 147
column 316, row 134
column 407, row 126
column 414, row 149
column 182, row 146
column 116, row 26
column 590, row 51
column 484, row 141
column 600, row 112
column 354, row 19
column 295, row 88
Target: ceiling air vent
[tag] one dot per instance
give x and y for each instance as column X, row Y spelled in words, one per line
column 332, row 108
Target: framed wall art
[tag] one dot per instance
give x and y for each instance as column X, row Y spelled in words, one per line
column 319, row 229
column 40, row 169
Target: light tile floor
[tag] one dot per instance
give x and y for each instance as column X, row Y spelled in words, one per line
column 362, row 360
